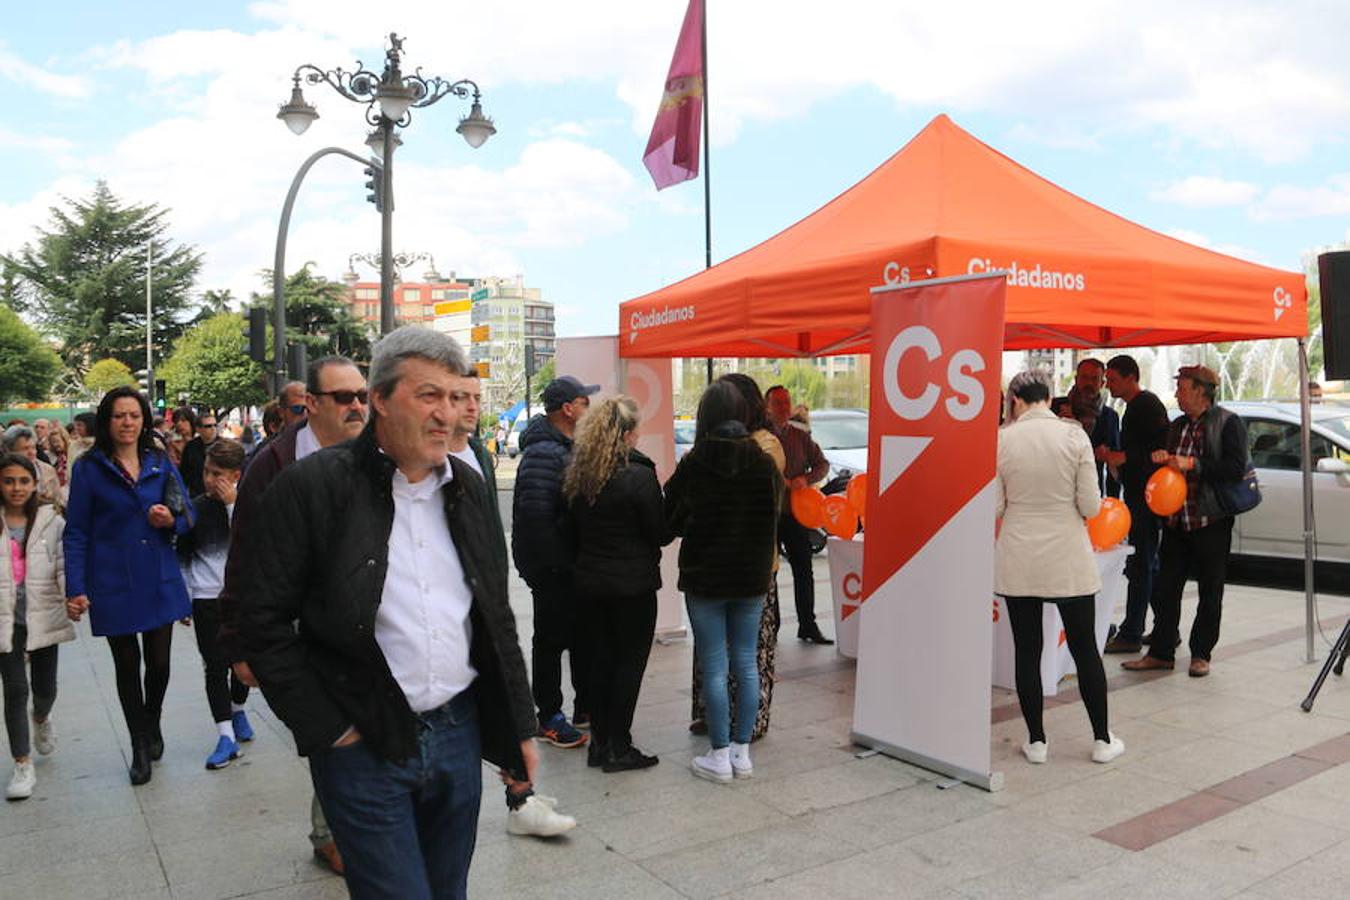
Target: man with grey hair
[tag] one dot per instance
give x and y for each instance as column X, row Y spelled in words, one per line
column 22, row 440
column 42, row 428
column 405, row 670
column 291, row 402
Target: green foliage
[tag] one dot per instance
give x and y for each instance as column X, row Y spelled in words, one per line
column 210, row 364
column 542, row 376
column 319, row 316
column 107, row 374
column 803, row 380
column 27, row 365
column 84, row 278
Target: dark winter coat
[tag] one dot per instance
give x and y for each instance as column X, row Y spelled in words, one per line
column 318, row 555
column 724, row 500
column 113, row 554
column 620, row 536
column 1225, row 460
column 539, row 540
column 193, row 466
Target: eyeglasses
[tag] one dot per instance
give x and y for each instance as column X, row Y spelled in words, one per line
column 207, row 425
column 298, row 409
column 345, row 398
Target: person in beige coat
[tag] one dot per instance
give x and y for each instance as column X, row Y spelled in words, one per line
column 1046, row 488
column 32, row 617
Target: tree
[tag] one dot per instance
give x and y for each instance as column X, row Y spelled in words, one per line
column 318, row 316
column 85, row 278
column 540, row 379
column 213, row 303
column 27, row 365
column 210, row 364
column 107, row 374
column 803, row 380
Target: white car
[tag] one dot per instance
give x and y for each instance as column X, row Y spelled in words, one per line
column 841, row 435
column 1275, row 528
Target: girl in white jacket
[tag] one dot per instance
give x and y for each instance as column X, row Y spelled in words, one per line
column 32, row 616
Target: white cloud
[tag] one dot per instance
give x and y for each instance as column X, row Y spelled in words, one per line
column 1284, row 202
column 1205, row 192
column 16, row 69
column 1203, row 240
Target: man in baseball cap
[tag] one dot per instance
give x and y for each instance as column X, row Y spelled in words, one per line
column 545, row 559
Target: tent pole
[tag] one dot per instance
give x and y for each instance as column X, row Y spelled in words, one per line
column 707, row 164
column 1309, row 538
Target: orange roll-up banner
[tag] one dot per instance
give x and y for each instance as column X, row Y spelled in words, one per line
column 925, row 635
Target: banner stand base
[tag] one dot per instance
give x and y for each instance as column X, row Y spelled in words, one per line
column 989, row 781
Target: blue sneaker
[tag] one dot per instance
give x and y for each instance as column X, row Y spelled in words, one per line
column 226, row 750
column 243, row 732
column 560, row 733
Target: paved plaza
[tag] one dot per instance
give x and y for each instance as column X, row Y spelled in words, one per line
column 1226, row 789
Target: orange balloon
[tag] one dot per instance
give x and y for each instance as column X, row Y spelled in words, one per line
column 1165, row 492
column 808, row 506
column 1110, row 525
column 840, row 518
column 857, row 493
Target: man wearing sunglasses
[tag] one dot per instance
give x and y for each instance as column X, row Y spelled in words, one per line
column 405, row 671
column 335, row 402
column 193, row 465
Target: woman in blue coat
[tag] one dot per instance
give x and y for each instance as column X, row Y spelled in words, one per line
column 127, row 502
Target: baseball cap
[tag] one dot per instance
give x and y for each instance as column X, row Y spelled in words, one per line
column 565, row 389
column 1199, row 374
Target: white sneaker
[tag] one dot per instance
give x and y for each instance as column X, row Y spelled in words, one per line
column 538, row 819
column 22, row 782
column 715, row 765
column 44, row 737
column 1036, row 752
column 740, row 761
column 1105, row 751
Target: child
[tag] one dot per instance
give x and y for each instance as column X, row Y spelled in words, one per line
column 32, row 616
column 202, row 553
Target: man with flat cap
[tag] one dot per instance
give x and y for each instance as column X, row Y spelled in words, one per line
column 1208, row 445
column 544, row 558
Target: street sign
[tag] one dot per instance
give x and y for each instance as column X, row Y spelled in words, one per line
column 480, row 334
column 480, row 294
column 484, row 369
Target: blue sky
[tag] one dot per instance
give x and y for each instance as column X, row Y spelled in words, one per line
column 1221, row 123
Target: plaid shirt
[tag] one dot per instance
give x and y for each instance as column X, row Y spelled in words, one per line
column 1190, row 443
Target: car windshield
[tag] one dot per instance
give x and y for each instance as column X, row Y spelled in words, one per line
column 1340, row 426
column 684, row 432
column 840, row 434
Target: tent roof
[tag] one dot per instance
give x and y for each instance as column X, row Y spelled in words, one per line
column 948, row 204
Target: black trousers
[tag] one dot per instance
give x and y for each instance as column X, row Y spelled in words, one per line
column 797, row 545
column 42, row 669
column 1078, row 615
column 222, row 687
column 621, row 629
column 556, row 632
column 141, row 709
column 1203, row 555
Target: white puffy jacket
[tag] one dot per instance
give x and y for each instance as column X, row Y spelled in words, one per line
column 45, row 585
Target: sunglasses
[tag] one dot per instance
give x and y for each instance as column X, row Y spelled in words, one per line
column 298, row 409
column 345, row 398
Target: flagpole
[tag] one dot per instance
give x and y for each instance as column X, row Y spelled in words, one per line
column 707, row 164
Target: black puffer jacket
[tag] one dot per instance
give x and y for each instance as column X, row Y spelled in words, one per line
column 619, row 537
column 539, row 540
column 318, row 553
column 724, row 501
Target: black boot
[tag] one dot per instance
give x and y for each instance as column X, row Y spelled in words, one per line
column 140, row 759
column 155, row 739
column 597, row 753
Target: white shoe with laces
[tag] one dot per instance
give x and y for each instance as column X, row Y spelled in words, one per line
column 1036, row 752
column 22, row 782
column 1105, row 751
column 44, row 737
column 715, row 765
column 537, row 818
column 740, row 761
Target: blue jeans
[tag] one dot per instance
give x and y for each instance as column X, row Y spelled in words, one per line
column 1141, row 567
column 406, row 830
column 726, row 634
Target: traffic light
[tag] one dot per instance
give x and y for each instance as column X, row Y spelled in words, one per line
column 257, row 334
column 161, row 391
column 375, row 185
column 530, row 368
column 143, row 380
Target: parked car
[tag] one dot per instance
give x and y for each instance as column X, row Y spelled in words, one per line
column 513, row 438
column 1274, row 530
column 842, row 437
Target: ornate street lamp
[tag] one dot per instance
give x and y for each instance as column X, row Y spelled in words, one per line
column 389, row 98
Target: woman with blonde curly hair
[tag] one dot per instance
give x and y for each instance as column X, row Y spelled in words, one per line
column 615, row 506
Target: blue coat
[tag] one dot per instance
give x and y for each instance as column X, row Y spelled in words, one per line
column 126, row 567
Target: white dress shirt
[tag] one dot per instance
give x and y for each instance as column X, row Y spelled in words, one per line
column 306, row 442
column 470, row 458
column 422, row 625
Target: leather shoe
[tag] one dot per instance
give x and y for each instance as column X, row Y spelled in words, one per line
column 1122, row 645
column 1147, row 664
column 328, row 856
column 1199, row 668
column 139, row 770
column 1148, row 639
column 814, row 637
column 597, row 753
column 627, row 761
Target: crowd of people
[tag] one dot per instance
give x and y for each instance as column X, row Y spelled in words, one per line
column 1057, row 458
column 352, row 563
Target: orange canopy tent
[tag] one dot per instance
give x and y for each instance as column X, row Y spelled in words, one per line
column 948, row 204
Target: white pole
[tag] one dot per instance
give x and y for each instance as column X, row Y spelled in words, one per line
column 149, row 358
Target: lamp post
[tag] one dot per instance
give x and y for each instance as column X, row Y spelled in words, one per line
column 389, row 99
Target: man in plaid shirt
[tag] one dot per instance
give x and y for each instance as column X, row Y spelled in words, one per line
column 1207, row 444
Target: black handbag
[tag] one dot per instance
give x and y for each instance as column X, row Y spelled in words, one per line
column 1237, row 497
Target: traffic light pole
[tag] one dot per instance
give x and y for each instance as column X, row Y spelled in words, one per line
column 279, row 262
column 149, row 324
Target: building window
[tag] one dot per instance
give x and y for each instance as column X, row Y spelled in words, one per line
column 412, row 295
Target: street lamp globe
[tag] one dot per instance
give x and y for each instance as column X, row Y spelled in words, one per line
column 476, row 127
column 297, row 114
column 375, row 141
column 395, row 99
